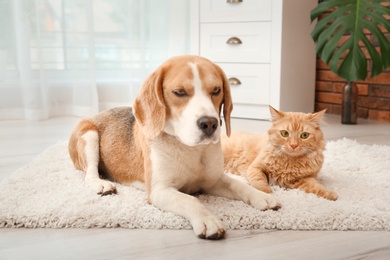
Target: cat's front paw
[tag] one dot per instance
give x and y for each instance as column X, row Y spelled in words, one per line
column 261, row 186
column 331, row 196
column 327, row 194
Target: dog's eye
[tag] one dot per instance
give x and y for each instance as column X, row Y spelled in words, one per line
column 216, row 91
column 180, row 93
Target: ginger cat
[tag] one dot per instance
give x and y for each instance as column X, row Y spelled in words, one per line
column 289, row 155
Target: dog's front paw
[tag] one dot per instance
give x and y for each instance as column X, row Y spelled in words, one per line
column 101, row 187
column 265, row 201
column 209, row 227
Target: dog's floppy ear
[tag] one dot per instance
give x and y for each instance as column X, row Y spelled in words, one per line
column 227, row 103
column 149, row 106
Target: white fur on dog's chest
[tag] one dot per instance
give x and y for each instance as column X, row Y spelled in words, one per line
column 186, row 168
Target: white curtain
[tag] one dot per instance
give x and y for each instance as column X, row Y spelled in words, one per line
column 78, row 57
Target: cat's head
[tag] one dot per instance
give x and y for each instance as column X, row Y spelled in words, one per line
column 296, row 133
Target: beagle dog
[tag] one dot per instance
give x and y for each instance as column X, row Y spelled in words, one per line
column 170, row 142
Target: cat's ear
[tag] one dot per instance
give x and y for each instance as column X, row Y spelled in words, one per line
column 317, row 118
column 275, row 114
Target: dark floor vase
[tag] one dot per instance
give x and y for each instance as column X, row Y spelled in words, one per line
column 349, row 105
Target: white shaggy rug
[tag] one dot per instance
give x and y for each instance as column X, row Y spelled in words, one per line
column 49, row 193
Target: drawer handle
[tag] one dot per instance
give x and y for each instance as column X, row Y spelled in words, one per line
column 234, row 81
column 234, row 41
column 233, row 1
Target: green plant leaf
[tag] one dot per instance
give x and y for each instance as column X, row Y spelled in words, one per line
column 351, row 17
column 331, row 45
column 354, row 64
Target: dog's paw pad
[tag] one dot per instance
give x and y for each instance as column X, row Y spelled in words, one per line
column 219, row 235
column 102, row 187
column 276, row 208
column 209, row 228
column 109, row 191
column 264, row 202
column 273, row 203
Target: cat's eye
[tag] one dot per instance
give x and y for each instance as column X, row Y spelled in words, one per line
column 305, row 135
column 180, row 93
column 284, row 133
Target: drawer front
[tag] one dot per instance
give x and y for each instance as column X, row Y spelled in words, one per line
column 255, row 82
column 246, row 11
column 251, row 112
column 255, row 42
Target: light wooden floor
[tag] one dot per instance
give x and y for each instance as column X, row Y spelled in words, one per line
column 21, row 141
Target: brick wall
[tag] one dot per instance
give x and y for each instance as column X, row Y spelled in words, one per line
column 374, row 94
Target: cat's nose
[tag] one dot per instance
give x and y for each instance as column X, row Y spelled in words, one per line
column 293, row 146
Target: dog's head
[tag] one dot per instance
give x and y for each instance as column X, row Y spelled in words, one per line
column 184, row 98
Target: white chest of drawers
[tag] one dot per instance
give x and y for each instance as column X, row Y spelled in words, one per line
column 265, row 49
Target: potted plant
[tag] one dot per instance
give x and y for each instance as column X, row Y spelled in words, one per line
column 346, row 58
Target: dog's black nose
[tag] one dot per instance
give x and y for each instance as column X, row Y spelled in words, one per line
column 208, row 125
